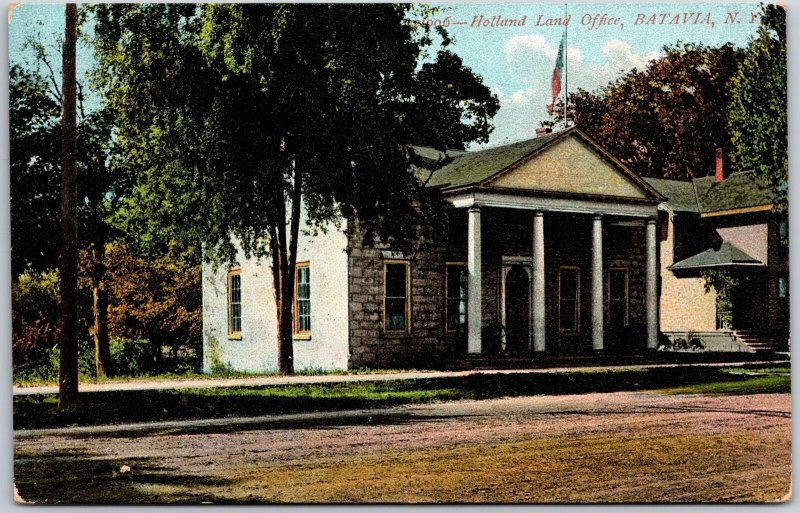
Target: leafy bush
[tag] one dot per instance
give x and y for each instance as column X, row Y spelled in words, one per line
column 696, row 344
column 34, row 323
column 680, row 343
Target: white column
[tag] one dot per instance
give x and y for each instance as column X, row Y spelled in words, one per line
column 652, row 286
column 474, row 281
column 597, row 283
column 538, row 282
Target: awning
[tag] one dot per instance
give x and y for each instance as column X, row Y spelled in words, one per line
column 727, row 255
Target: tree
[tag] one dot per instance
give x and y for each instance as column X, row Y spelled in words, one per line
column 35, row 138
column 758, row 112
column 238, row 117
column 68, row 364
column 157, row 299
column 668, row 119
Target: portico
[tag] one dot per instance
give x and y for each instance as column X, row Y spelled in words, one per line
column 579, row 220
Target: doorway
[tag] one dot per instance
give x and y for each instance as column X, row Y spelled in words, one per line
column 517, row 310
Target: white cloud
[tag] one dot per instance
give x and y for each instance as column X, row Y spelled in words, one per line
column 531, row 60
column 519, row 98
column 619, row 59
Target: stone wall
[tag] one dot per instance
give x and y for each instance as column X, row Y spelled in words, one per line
column 426, row 344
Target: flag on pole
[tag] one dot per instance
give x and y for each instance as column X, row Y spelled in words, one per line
column 557, row 71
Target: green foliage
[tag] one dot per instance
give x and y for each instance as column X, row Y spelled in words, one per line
column 235, row 118
column 154, row 317
column 218, row 366
column 35, row 145
column 758, row 113
column 34, row 321
column 723, row 282
column 668, row 119
column 225, row 109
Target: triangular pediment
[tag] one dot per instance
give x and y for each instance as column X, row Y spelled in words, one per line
column 572, row 165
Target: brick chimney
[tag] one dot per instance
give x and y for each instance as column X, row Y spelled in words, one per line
column 543, row 131
column 719, row 175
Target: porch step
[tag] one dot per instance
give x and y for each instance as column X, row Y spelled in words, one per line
column 762, row 341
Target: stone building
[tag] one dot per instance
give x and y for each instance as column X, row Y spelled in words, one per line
column 552, row 247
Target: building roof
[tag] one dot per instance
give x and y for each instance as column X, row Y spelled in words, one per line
column 490, row 168
column 725, row 256
column 704, row 195
column 680, row 194
column 739, row 190
column 473, row 167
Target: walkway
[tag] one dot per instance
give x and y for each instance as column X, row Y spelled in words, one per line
column 254, row 381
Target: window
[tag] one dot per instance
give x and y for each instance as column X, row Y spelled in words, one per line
column 568, row 298
column 234, row 303
column 302, row 299
column 783, row 287
column 618, row 297
column 783, row 233
column 396, row 306
column 456, row 291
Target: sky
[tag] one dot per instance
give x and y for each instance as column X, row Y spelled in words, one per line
column 516, row 61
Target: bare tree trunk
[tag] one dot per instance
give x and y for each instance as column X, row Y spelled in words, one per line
column 284, row 294
column 68, row 363
column 289, row 282
column 102, row 351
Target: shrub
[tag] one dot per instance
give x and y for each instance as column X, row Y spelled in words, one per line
column 680, row 343
column 696, row 344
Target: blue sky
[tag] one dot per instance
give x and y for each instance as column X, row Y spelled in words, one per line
column 517, row 61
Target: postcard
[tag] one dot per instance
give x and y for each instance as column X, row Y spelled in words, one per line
column 399, row 253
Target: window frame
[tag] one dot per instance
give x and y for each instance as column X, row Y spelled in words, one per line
column 783, row 278
column 407, row 264
column 783, row 234
column 447, row 298
column 233, row 334
column 577, row 314
column 626, row 271
column 296, row 331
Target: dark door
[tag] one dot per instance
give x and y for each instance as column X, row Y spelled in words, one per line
column 517, row 310
column 748, row 300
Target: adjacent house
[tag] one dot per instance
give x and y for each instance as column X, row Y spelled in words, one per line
column 552, row 247
column 723, row 224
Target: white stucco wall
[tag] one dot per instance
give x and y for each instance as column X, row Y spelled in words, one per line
column 328, row 347
column 685, row 303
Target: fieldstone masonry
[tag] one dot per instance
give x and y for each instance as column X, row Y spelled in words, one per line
column 427, row 341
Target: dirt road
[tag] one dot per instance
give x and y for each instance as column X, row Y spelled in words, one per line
column 621, row 447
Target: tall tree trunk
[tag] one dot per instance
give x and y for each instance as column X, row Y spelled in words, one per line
column 283, row 295
column 68, row 362
column 102, row 351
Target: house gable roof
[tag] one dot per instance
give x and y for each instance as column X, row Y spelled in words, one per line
column 739, row 191
column 565, row 162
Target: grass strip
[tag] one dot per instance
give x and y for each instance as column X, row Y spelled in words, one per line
column 39, row 410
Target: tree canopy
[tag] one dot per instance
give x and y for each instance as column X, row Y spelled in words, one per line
column 668, row 119
column 35, row 144
column 236, row 118
column 758, row 113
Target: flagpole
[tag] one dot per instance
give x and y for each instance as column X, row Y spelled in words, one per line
column 566, row 65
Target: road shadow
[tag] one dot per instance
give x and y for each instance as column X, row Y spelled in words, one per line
column 79, row 477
